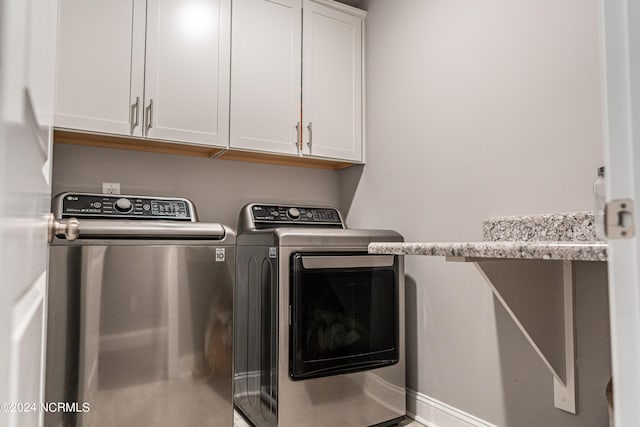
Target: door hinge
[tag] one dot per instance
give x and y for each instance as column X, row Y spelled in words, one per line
column 618, row 217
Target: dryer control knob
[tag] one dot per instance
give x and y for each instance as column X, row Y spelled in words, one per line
column 293, row 213
column 123, row 205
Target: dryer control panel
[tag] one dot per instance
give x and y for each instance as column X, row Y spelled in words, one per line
column 290, row 215
column 114, row 206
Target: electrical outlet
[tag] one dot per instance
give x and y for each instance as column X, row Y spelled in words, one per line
column 111, row 188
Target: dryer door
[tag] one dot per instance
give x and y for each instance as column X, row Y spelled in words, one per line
column 344, row 309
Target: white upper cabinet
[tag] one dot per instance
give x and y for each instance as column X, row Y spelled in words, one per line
column 332, row 82
column 272, row 76
column 297, row 89
column 187, row 71
column 100, row 44
column 145, row 68
column 265, row 75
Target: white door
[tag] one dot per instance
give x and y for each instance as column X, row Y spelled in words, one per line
column 101, row 66
column 265, row 75
column 332, row 82
column 621, row 66
column 187, row 71
column 27, row 64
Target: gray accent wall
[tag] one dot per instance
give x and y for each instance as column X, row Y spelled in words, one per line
column 478, row 109
column 473, row 109
column 218, row 188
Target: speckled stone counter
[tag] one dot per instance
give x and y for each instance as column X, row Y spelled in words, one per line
column 563, row 236
column 573, row 251
column 561, row 227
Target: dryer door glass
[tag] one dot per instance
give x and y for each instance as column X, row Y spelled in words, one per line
column 344, row 313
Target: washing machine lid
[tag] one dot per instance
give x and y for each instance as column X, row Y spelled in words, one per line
column 114, row 216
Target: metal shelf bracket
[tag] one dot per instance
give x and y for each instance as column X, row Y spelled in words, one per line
column 542, row 306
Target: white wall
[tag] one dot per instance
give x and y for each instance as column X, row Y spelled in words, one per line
column 477, row 109
column 218, row 188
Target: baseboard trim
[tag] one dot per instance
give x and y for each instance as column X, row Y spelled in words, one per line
column 434, row 413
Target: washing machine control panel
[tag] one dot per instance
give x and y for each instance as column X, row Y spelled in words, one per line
column 286, row 215
column 109, row 206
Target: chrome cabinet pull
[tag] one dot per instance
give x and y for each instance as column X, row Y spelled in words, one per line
column 150, row 115
column 298, row 136
column 135, row 113
column 310, row 143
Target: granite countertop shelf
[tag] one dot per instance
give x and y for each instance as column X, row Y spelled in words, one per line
column 572, row 251
column 528, row 289
column 562, row 236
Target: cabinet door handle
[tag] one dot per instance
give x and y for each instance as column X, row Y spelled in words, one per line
column 298, row 136
column 135, row 113
column 149, row 115
column 310, row 129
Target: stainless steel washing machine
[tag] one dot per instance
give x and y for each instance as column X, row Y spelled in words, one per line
column 319, row 322
column 139, row 313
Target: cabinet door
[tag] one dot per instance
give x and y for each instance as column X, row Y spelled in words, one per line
column 187, row 71
column 265, row 75
column 100, row 65
column 332, row 83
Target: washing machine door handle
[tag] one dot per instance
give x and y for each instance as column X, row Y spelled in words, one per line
column 72, row 229
column 68, row 229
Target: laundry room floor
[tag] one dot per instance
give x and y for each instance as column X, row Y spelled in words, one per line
column 238, row 421
column 180, row 401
